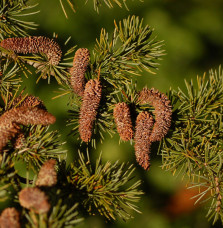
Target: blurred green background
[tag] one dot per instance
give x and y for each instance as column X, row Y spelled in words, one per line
column 193, row 34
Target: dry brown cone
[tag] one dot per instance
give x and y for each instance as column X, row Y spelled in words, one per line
column 34, row 199
column 10, row 121
column 123, row 121
column 47, row 175
column 144, row 123
column 9, row 218
column 80, row 63
column 163, row 112
column 89, row 107
column 34, row 44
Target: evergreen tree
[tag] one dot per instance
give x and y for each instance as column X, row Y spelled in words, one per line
column 104, row 98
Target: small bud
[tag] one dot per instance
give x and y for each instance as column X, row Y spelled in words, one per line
column 35, row 44
column 47, row 175
column 9, row 218
column 123, row 121
column 89, row 107
column 34, row 199
column 144, row 123
column 80, row 63
column 163, row 112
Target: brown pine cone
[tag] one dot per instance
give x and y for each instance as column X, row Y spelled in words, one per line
column 144, row 124
column 9, row 218
column 34, row 44
column 80, row 63
column 163, row 112
column 34, row 199
column 123, row 121
column 47, row 175
column 89, row 107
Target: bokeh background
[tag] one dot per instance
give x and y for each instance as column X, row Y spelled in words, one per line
column 192, row 31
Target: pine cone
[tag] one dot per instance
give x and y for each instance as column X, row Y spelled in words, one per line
column 89, row 107
column 47, row 175
column 34, row 44
column 123, row 121
column 34, row 199
column 80, row 63
column 144, row 123
column 163, row 112
column 9, row 218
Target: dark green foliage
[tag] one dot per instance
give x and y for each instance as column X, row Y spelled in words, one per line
column 194, row 145
column 104, row 189
column 39, row 145
column 10, row 78
column 130, row 49
column 11, row 18
column 8, row 178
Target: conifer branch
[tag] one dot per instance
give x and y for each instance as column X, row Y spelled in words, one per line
column 103, row 189
column 103, row 99
column 195, row 143
column 39, row 145
column 130, row 50
column 61, row 216
column 7, row 177
column 114, row 62
column 46, row 56
column 10, row 14
column 10, row 78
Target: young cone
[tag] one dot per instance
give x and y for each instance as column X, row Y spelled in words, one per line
column 89, row 107
column 123, row 121
column 9, row 218
column 80, row 63
column 144, row 123
column 47, row 175
column 34, row 199
column 163, row 112
column 34, row 44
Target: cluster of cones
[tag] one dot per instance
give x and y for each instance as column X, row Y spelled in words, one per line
column 32, row 198
column 90, row 93
column 146, row 131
